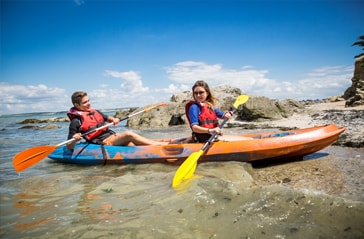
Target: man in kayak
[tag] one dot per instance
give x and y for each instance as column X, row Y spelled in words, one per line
column 203, row 116
column 84, row 119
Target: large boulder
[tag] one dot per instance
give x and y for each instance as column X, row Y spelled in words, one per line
column 155, row 118
column 41, row 127
column 37, row 121
column 174, row 112
column 257, row 109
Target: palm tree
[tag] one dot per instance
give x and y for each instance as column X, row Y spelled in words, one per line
column 359, row 43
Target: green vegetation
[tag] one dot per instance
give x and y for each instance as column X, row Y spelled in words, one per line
column 359, row 43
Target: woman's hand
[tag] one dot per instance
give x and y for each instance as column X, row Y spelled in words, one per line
column 228, row 114
column 216, row 130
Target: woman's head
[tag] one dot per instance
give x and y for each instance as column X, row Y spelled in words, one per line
column 202, row 93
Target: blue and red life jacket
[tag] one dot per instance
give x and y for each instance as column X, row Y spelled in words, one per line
column 207, row 119
column 90, row 120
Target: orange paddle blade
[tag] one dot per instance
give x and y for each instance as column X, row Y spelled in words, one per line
column 187, row 169
column 29, row 157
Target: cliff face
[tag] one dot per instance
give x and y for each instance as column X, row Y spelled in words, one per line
column 354, row 95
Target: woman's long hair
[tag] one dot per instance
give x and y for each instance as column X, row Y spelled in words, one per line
column 210, row 99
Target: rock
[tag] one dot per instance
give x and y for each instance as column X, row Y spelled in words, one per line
column 45, row 122
column 121, row 114
column 41, row 127
column 354, row 95
column 257, row 108
column 335, row 99
column 288, row 107
column 351, row 119
column 30, row 121
column 226, row 96
column 174, row 112
column 37, row 121
column 260, row 108
column 157, row 118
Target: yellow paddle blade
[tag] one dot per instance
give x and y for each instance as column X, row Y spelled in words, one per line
column 240, row 100
column 186, row 184
column 187, row 169
column 29, row 157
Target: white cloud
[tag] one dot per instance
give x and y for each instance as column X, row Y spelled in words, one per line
column 190, row 71
column 108, row 98
column 172, row 88
column 329, row 70
column 325, row 81
column 30, row 98
column 79, row 2
column 320, row 83
column 132, row 81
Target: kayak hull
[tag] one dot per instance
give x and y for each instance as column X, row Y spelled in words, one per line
column 262, row 146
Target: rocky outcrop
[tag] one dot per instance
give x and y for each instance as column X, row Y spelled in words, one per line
column 174, row 112
column 260, row 108
column 41, row 127
column 37, row 121
column 257, row 108
column 354, row 95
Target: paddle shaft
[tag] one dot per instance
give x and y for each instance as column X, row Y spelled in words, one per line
column 214, row 135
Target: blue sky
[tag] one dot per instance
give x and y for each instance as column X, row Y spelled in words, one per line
column 132, row 52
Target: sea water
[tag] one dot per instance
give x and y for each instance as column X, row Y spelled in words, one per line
column 321, row 196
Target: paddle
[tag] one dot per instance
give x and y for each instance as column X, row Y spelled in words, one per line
column 29, row 157
column 186, row 170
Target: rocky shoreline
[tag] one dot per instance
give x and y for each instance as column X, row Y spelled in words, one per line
column 301, row 116
column 320, row 114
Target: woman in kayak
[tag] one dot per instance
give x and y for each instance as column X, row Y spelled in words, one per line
column 203, row 116
column 84, row 118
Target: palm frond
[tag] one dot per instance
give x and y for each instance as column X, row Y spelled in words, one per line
column 359, row 43
column 358, row 56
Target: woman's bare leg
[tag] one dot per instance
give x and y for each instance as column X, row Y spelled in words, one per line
column 233, row 138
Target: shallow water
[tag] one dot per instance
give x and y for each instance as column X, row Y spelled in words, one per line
column 319, row 197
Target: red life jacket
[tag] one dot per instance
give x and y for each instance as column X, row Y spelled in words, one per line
column 207, row 117
column 90, row 120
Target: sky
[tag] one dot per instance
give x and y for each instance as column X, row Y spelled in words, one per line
column 131, row 53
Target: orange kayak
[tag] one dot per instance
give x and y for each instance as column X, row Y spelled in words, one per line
column 261, row 146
